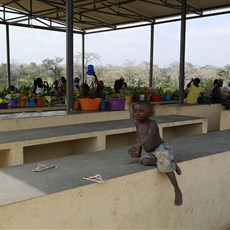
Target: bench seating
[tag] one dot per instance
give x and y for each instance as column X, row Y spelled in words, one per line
column 60, row 198
column 31, row 120
column 23, row 146
column 225, row 119
column 211, row 112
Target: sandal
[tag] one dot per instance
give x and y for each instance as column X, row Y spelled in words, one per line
column 97, row 178
column 42, row 166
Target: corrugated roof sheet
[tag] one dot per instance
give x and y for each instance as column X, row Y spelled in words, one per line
column 96, row 14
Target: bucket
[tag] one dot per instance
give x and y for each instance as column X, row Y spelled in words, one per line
column 167, row 97
column 142, row 97
column 90, row 70
column 3, row 105
column 156, row 98
column 22, row 103
column 31, row 102
column 13, row 103
column 39, row 102
column 90, row 104
column 104, row 105
column 76, row 105
column 116, row 104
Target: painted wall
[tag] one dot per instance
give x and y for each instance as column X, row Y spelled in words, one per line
column 137, row 201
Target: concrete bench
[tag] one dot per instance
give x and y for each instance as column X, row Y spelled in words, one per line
column 211, row 112
column 31, row 120
column 133, row 197
column 23, row 146
column 225, row 119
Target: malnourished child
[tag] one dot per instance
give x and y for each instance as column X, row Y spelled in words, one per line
column 156, row 151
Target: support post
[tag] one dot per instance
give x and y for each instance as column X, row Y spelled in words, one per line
column 69, row 54
column 83, row 57
column 151, row 55
column 182, row 52
column 8, row 54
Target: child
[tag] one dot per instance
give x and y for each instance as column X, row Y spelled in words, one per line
column 55, row 91
column 157, row 153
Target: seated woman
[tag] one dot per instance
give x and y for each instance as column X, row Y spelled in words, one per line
column 56, row 90
column 11, row 89
column 40, row 87
column 194, row 91
column 62, row 85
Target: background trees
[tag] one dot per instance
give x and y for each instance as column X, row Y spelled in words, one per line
column 135, row 74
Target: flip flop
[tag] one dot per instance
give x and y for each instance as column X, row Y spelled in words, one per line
column 96, row 178
column 41, row 167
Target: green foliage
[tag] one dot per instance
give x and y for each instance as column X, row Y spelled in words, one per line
column 158, row 91
column 136, row 75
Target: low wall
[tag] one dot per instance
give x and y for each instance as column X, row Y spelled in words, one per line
column 56, row 118
column 211, row 112
column 142, row 200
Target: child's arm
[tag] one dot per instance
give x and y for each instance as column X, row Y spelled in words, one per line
column 189, row 84
column 135, row 151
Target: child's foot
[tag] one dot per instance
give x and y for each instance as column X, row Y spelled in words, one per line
column 178, row 197
column 178, row 169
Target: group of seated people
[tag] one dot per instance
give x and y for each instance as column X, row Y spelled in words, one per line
column 42, row 87
column 84, row 88
column 195, row 94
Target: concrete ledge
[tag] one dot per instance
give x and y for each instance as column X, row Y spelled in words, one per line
column 32, row 109
column 211, row 112
column 23, row 146
column 19, row 121
column 224, row 120
column 134, row 196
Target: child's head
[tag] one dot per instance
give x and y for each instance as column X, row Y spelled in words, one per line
column 142, row 110
column 215, row 82
column 55, row 83
column 220, row 83
column 63, row 80
column 11, row 88
column 38, row 82
column 196, row 81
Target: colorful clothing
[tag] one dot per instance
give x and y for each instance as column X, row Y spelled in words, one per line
column 164, row 155
column 193, row 94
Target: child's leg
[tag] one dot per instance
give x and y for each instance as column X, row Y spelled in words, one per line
column 149, row 162
column 178, row 194
column 148, row 159
column 178, row 169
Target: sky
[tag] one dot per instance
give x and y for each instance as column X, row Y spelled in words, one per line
column 207, row 43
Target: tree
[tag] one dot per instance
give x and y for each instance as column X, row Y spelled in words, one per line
column 89, row 58
column 3, row 75
column 54, row 67
column 222, row 73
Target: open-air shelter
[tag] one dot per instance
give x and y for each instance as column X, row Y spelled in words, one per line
column 94, row 16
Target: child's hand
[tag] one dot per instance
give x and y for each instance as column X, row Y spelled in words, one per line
column 133, row 152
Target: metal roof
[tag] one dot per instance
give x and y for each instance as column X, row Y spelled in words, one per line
column 98, row 14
